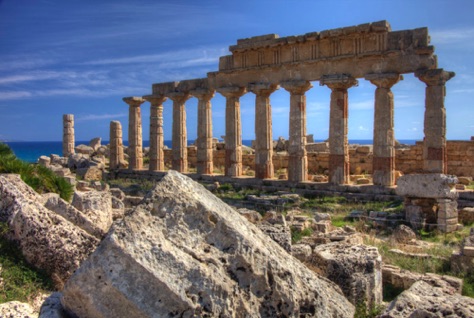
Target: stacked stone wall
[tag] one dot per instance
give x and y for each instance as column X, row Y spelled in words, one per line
column 407, row 159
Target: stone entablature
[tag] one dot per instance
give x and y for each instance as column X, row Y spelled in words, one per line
column 355, row 50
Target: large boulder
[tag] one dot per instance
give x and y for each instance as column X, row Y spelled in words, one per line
column 424, row 300
column 184, row 253
column 46, row 239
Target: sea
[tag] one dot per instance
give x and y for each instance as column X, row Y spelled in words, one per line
column 30, row 151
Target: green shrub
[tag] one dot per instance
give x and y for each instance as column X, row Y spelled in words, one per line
column 40, row 178
column 297, row 235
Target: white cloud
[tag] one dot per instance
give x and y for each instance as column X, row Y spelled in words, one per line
column 90, row 117
column 449, row 36
column 14, row 95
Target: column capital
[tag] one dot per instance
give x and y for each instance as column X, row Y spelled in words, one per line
column 203, row 93
column 384, row 80
column 232, row 91
column 436, row 77
column 133, row 101
column 338, row 81
column 296, row 87
column 155, row 99
column 264, row 89
column 178, row 96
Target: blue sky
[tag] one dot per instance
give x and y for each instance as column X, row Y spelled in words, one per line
column 82, row 57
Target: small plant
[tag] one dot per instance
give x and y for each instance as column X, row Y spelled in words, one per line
column 363, row 312
column 297, row 235
column 20, row 281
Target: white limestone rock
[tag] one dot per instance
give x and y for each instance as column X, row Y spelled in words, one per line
column 357, row 269
column 432, row 185
column 16, row 309
column 95, row 143
column 46, row 239
column 424, row 300
column 183, row 252
column 97, row 207
column 56, row 204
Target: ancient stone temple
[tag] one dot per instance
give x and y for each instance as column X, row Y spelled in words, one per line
column 338, row 59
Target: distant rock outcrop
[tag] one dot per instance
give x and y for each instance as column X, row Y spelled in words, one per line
column 184, row 253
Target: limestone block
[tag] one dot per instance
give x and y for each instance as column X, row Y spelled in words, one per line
column 197, row 257
column 466, row 215
column 424, row 300
column 44, row 161
column 46, row 239
column 16, row 309
column 83, row 149
column 301, row 252
column 404, row 235
column 54, row 203
column 433, row 185
column 318, row 216
column 96, row 206
column 363, row 181
column 251, row 215
column 357, row 269
column 90, row 174
column 95, row 143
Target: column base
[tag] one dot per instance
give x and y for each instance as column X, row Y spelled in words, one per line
column 338, row 169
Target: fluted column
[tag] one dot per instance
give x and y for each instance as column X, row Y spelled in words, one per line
column 157, row 159
column 135, row 143
column 434, row 144
column 383, row 171
column 338, row 144
column 233, row 130
column 179, row 138
column 115, row 146
column 298, row 161
column 68, row 135
column 263, row 130
column 204, row 131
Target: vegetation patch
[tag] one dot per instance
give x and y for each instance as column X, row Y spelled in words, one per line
column 297, row 235
column 19, row 280
column 40, row 178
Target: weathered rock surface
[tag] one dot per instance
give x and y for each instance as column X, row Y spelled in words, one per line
column 52, row 307
column 432, row 185
column 404, row 235
column 16, row 309
column 357, row 269
column 56, row 204
column 424, row 300
column 185, row 253
column 97, row 207
column 46, row 239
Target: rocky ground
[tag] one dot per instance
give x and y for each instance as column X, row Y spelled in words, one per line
column 174, row 249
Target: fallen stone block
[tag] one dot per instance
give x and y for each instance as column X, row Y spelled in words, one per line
column 357, row 269
column 424, row 300
column 183, row 252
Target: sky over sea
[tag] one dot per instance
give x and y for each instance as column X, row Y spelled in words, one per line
column 81, row 57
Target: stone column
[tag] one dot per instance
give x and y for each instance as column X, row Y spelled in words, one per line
column 383, row 170
column 434, row 144
column 204, row 131
column 298, row 161
column 338, row 144
column 233, row 130
column 116, row 146
column 68, row 135
column 135, row 144
column 179, row 139
column 157, row 159
column 263, row 130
